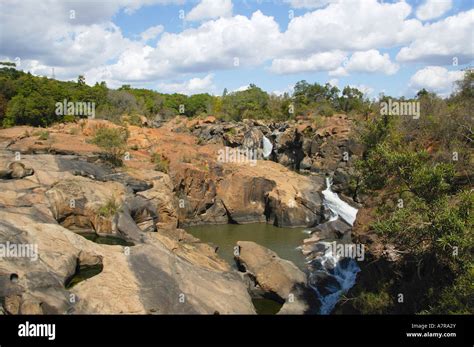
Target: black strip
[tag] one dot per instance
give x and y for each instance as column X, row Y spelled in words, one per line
column 234, row 329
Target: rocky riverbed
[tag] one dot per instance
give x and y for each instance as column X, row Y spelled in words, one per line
column 56, row 191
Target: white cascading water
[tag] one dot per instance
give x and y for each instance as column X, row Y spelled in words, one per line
column 267, row 147
column 342, row 270
column 337, row 206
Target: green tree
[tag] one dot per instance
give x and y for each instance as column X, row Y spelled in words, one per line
column 197, row 104
column 81, row 80
column 249, row 103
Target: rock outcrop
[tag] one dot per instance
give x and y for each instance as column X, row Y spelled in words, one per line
column 277, row 278
column 320, row 146
column 53, row 190
column 16, row 170
column 166, row 271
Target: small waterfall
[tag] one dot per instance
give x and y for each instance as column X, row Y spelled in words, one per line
column 338, row 274
column 267, row 147
column 331, row 274
column 337, row 206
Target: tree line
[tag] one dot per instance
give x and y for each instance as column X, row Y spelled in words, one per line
column 26, row 99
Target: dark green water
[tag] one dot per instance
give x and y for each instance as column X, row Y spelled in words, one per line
column 266, row 306
column 83, row 273
column 282, row 241
column 106, row 240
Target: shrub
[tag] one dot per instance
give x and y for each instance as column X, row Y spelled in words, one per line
column 412, row 159
column 110, row 208
column 373, row 303
column 113, row 141
column 69, row 118
column 458, row 298
column 74, row 131
column 161, row 163
column 43, row 135
column 135, row 119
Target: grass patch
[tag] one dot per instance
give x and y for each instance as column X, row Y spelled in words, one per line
column 43, row 135
column 161, row 163
column 113, row 141
column 109, row 209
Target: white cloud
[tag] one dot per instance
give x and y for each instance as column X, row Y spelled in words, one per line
column 316, row 41
column 309, row 4
column 100, row 49
column 224, row 43
column 132, row 65
column 151, row 33
column 351, row 26
column 370, row 61
column 432, row 9
column 71, row 45
column 289, row 90
column 193, row 86
column 435, row 78
column 364, row 89
column 210, row 9
column 334, row 82
column 339, row 72
column 438, row 43
column 242, row 88
column 317, row 62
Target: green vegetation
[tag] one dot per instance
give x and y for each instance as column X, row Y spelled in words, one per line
column 161, row 163
column 418, row 172
column 29, row 100
column 43, row 135
column 113, row 141
column 373, row 303
column 110, row 208
column 423, row 169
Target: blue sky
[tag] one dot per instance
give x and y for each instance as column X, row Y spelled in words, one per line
column 395, row 47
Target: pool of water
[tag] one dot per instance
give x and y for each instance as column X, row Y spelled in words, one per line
column 83, row 273
column 283, row 241
column 266, row 306
column 106, row 240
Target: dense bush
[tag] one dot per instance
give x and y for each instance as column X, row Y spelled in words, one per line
column 113, row 141
column 427, row 209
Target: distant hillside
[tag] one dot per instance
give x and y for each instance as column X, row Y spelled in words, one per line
column 30, row 100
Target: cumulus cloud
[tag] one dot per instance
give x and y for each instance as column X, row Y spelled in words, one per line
column 317, row 62
column 242, row 88
column 370, row 61
column 432, row 9
column 224, row 43
column 318, row 40
column 366, row 90
column 288, row 90
column 352, row 26
column 334, row 82
column 309, row 4
column 435, row 78
column 151, row 33
column 440, row 42
column 193, row 86
column 210, row 9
